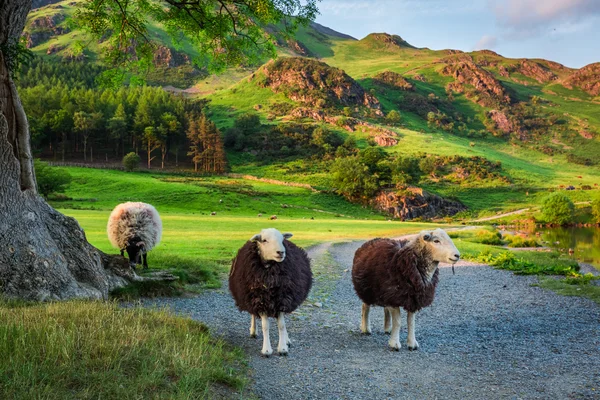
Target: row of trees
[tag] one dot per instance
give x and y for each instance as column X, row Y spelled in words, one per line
column 72, row 118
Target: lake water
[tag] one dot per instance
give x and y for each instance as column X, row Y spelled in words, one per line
column 584, row 241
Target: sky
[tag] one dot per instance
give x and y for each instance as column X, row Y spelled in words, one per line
column 565, row 31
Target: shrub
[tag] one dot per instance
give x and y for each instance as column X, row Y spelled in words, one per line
column 51, row 179
column 518, row 241
column 596, row 210
column 131, row 162
column 488, row 237
column 393, row 117
column 558, row 209
column 353, row 179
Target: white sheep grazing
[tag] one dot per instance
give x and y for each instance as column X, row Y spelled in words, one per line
column 270, row 277
column 400, row 273
column 136, row 228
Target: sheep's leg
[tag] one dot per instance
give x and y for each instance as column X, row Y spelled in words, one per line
column 365, row 324
column 387, row 323
column 411, row 342
column 252, row 325
column 267, row 350
column 282, row 347
column 145, row 260
column 394, row 341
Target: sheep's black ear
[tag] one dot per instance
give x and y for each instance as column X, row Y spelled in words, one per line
column 256, row 238
column 287, row 235
column 427, row 237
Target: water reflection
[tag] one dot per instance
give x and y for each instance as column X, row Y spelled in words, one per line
column 583, row 242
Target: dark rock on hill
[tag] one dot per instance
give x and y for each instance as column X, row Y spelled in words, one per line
column 393, row 79
column 586, row 78
column 314, row 83
column 414, row 203
column 486, row 90
column 536, row 71
column 41, row 29
column 166, row 57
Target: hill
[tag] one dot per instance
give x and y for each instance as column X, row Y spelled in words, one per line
column 538, row 119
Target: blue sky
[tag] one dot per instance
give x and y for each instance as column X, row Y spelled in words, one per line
column 566, row 31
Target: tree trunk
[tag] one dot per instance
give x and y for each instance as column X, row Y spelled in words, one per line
column 44, row 255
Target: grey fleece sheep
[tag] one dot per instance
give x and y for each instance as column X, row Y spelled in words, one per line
column 136, row 228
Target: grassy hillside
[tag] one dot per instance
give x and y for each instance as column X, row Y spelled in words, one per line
column 539, row 119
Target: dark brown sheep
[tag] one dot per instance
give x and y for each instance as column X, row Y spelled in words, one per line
column 270, row 277
column 400, row 273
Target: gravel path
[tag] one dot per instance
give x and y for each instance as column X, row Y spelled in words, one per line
column 488, row 335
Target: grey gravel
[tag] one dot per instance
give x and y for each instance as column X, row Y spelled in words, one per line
column 488, row 335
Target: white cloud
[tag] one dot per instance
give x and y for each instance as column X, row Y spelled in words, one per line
column 523, row 18
column 486, row 42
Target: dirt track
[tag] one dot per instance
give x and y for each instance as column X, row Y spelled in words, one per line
column 488, row 335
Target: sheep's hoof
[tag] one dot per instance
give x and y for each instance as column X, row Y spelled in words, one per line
column 283, row 353
column 253, row 335
column 387, row 331
column 266, row 353
column 394, row 348
column 366, row 332
column 413, row 346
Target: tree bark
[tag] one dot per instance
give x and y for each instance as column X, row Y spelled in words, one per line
column 44, row 255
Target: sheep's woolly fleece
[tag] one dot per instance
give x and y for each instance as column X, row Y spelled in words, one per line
column 134, row 218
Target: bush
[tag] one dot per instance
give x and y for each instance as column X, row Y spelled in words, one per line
column 558, row 209
column 353, row 179
column 488, row 237
column 596, row 210
column 393, row 117
column 518, row 241
column 131, row 162
column 51, row 179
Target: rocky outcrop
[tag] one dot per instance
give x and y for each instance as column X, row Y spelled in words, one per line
column 393, row 79
column 299, row 48
column 314, row 83
column 414, row 202
column 381, row 136
column 586, row 78
column 165, row 57
column 40, row 30
column 487, row 91
column 503, row 123
column 536, row 71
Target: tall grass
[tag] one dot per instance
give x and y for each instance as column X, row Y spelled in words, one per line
column 93, row 350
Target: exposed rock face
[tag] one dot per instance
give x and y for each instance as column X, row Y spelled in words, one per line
column 416, row 203
column 586, row 78
column 536, row 71
column 503, row 123
column 315, row 83
column 299, row 48
column 488, row 91
column 41, row 29
column 383, row 137
column 393, row 79
column 165, row 57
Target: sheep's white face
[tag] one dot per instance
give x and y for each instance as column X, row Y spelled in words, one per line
column 270, row 244
column 441, row 246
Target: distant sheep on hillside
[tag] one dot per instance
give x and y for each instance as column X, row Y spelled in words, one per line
column 273, row 217
column 400, row 273
column 136, row 228
column 270, row 277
